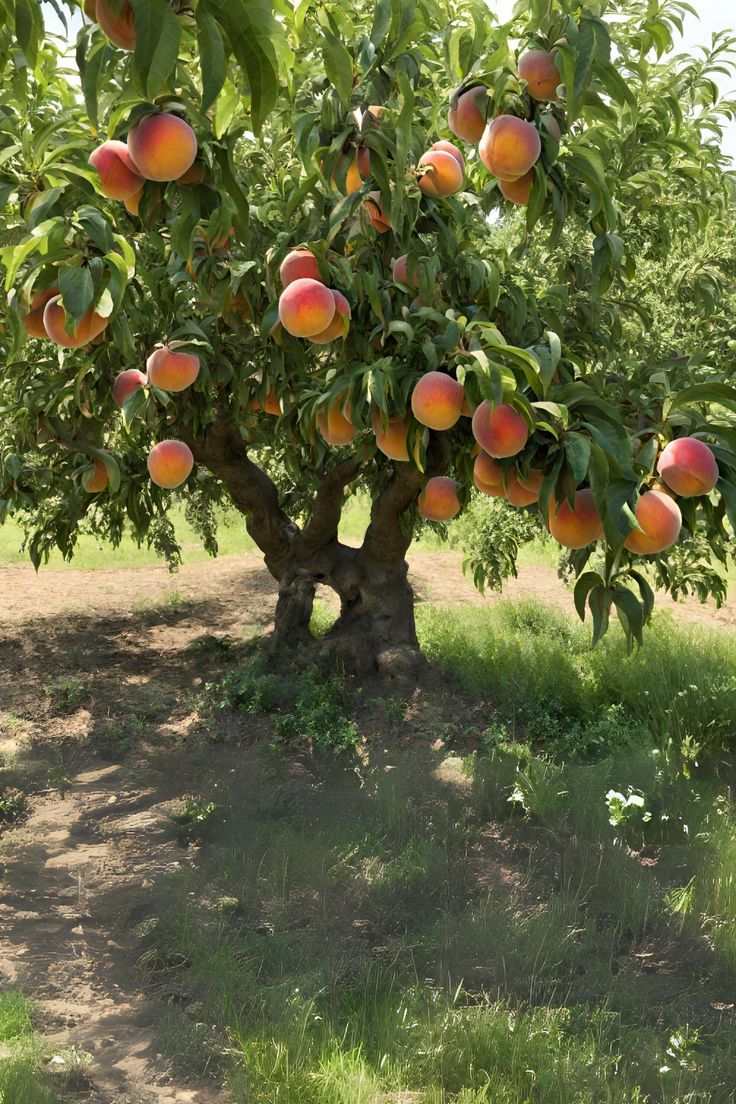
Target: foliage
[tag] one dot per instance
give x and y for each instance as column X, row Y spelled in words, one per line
column 557, row 313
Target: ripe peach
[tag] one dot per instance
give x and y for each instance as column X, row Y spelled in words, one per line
column 359, row 169
column 688, row 467
column 54, row 320
column 119, row 175
column 523, row 491
column 306, row 307
column 193, row 175
column 133, row 203
column 272, row 404
column 126, row 383
column 376, row 213
column 97, row 480
column 448, row 147
column 400, row 272
column 576, row 527
column 438, row 501
column 443, row 176
column 33, row 321
column 518, row 191
column 437, row 400
column 300, row 264
column 170, row 463
column 466, row 119
column 542, row 76
column 335, row 426
column 392, row 440
column 488, row 476
column 660, row 519
column 336, row 327
column 117, row 20
column 509, row 147
column 162, row 146
column 500, row 431
column 170, row 370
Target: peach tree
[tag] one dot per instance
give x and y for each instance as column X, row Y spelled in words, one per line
column 275, row 254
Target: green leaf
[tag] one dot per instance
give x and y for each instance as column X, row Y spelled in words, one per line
column 251, row 30
column 29, row 28
column 211, row 57
column 577, row 454
column 158, row 37
column 338, row 66
column 77, row 290
column 715, row 392
column 587, row 582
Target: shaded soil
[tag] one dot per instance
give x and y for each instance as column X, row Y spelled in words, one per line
column 98, row 676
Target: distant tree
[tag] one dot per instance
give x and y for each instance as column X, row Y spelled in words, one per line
column 260, row 215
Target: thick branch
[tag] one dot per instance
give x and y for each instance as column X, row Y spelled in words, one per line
column 222, row 451
column 323, row 524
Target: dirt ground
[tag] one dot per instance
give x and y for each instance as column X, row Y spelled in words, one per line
column 103, row 662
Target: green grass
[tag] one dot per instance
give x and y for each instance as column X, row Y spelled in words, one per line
column 23, row 1056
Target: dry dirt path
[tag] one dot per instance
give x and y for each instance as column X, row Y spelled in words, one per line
column 234, row 586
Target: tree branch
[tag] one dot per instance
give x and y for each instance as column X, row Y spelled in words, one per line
column 223, row 451
column 323, row 524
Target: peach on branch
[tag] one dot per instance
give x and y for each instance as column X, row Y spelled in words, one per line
column 524, row 490
column 509, row 147
column 467, row 118
column 517, row 191
column 391, row 440
column 306, row 307
column 576, row 526
column 170, row 370
column 376, row 213
column 133, row 203
column 488, row 476
column 117, row 19
column 162, row 146
column 335, row 426
column 170, row 463
column 437, row 400
column 97, row 480
column 438, row 501
column 126, row 383
column 448, row 147
column 499, row 430
column 193, row 175
column 336, row 327
column 538, row 69
column 442, row 174
column 660, row 520
column 89, row 326
column 688, row 467
column 400, row 271
column 119, row 175
column 33, row 321
column 300, row 264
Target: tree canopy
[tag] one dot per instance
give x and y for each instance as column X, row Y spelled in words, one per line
column 549, row 264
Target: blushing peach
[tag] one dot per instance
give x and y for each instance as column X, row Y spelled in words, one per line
column 170, row 463
column 448, row 147
column 170, row 370
column 117, row 19
column 272, row 404
column 437, row 400
column 162, row 146
column 518, row 191
column 660, row 520
column 509, row 147
column 400, row 272
column 306, row 307
column 300, row 264
column 336, row 327
column 488, row 476
column 499, row 430
column 466, row 119
column 119, row 175
column 576, row 527
column 133, row 203
column 688, row 467
column 438, row 501
column 542, row 76
column 33, row 321
column 335, row 426
column 193, row 175
column 376, row 213
column 443, row 175
column 392, row 441
column 524, row 490
column 88, row 327
column 126, row 383
column 96, row 481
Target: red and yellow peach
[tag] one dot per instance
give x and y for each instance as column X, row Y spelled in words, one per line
column 449, row 147
column 300, row 264
column 306, row 307
column 89, row 326
column 488, row 476
column 524, row 490
column 442, row 176
column 538, row 69
column 126, row 383
column 576, row 526
column 117, row 19
column 391, row 440
column 163, row 146
column 336, row 327
column 509, row 147
column 33, row 321
column 335, row 425
column 660, row 520
column 517, row 191
column 437, row 400
column 376, row 213
column 688, row 467
column 438, row 501
column 466, row 119
column 499, row 430
column 97, row 480
column 119, row 175
column 170, row 370
column 170, row 463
